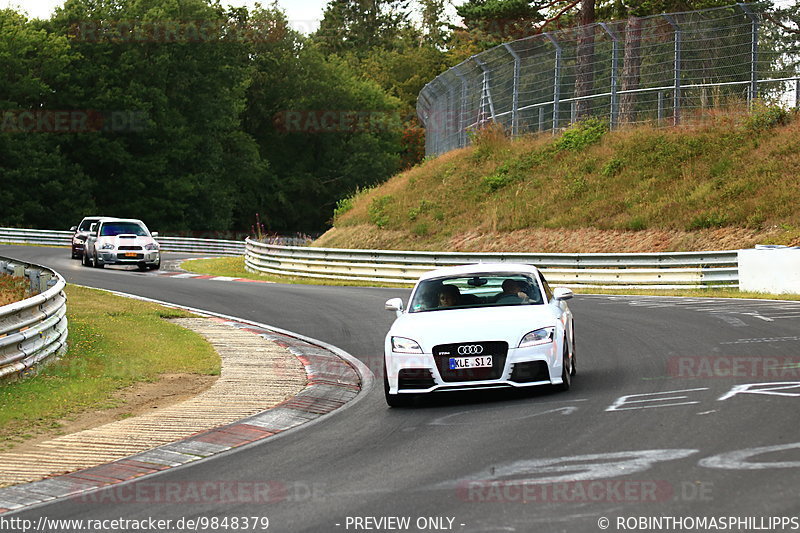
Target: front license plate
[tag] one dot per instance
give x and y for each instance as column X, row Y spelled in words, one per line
column 459, row 363
column 129, row 254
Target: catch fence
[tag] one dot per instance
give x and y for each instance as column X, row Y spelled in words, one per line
column 666, row 69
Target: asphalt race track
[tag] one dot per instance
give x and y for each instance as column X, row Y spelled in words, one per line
column 682, row 408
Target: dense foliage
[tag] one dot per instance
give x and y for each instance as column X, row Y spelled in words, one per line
column 195, row 117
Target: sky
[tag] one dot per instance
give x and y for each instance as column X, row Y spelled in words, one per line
column 304, row 14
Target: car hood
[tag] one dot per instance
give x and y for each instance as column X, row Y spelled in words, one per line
column 126, row 240
column 508, row 324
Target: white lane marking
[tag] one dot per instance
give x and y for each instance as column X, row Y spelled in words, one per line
column 769, row 389
column 626, row 400
column 738, row 460
column 570, row 468
column 445, row 420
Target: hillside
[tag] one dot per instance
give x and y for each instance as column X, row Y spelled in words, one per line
column 731, row 182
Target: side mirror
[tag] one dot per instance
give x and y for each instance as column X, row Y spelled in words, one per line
column 154, row 234
column 73, row 228
column 561, row 293
column 395, row 304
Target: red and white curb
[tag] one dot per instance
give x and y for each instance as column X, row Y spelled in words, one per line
column 335, row 379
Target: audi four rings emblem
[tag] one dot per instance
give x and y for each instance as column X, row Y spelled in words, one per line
column 470, row 349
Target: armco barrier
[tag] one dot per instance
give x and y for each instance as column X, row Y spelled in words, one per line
column 35, row 329
column 655, row 270
column 168, row 244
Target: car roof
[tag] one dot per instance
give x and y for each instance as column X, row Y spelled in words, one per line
column 112, row 219
column 479, row 268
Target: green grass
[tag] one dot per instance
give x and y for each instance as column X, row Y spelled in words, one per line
column 114, row 342
column 735, row 171
column 12, row 289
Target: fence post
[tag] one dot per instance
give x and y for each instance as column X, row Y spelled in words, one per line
column 797, row 93
column 556, row 80
column 614, row 66
column 660, row 107
column 676, row 94
column 753, row 94
column 462, row 132
column 486, row 93
column 541, row 114
column 515, row 94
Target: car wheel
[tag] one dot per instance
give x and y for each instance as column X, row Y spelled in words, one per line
column 85, row 260
column 156, row 266
column 566, row 370
column 142, row 267
column 574, row 369
column 395, row 400
column 96, row 262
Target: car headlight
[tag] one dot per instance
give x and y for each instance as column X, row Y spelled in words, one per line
column 540, row 336
column 107, row 246
column 403, row 345
column 151, row 246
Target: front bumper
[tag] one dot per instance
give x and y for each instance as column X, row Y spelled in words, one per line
column 114, row 257
column 523, row 367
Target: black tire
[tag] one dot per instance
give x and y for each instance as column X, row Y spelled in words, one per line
column 574, row 369
column 566, row 371
column 85, row 260
column 96, row 262
column 395, row 400
column 142, row 267
column 156, row 266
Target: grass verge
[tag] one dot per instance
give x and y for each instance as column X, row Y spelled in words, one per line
column 114, row 342
column 12, row 289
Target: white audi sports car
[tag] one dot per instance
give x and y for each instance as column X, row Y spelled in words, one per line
column 480, row 326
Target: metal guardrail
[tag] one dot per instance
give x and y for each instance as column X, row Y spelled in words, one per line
column 33, row 330
column 655, row 270
column 168, row 244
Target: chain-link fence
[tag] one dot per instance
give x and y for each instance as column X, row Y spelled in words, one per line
column 666, row 69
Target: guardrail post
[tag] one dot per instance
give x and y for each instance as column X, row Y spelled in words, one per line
column 556, row 80
column 18, row 270
column 676, row 94
column 614, row 67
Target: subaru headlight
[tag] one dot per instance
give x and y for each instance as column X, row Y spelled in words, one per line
column 107, row 246
column 537, row 337
column 151, row 246
column 403, row 345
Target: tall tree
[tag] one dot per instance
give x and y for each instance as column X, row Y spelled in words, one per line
column 356, row 26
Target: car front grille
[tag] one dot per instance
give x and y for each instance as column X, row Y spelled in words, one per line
column 128, row 248
column 497, row 349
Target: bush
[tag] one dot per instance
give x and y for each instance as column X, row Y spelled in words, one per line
column 378, row 210
column 582, row 134
column 487, row 141
column 763, row 117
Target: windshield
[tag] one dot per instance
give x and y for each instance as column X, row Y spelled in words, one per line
column 111, row 229
column 87, row 224
column 480, row 290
